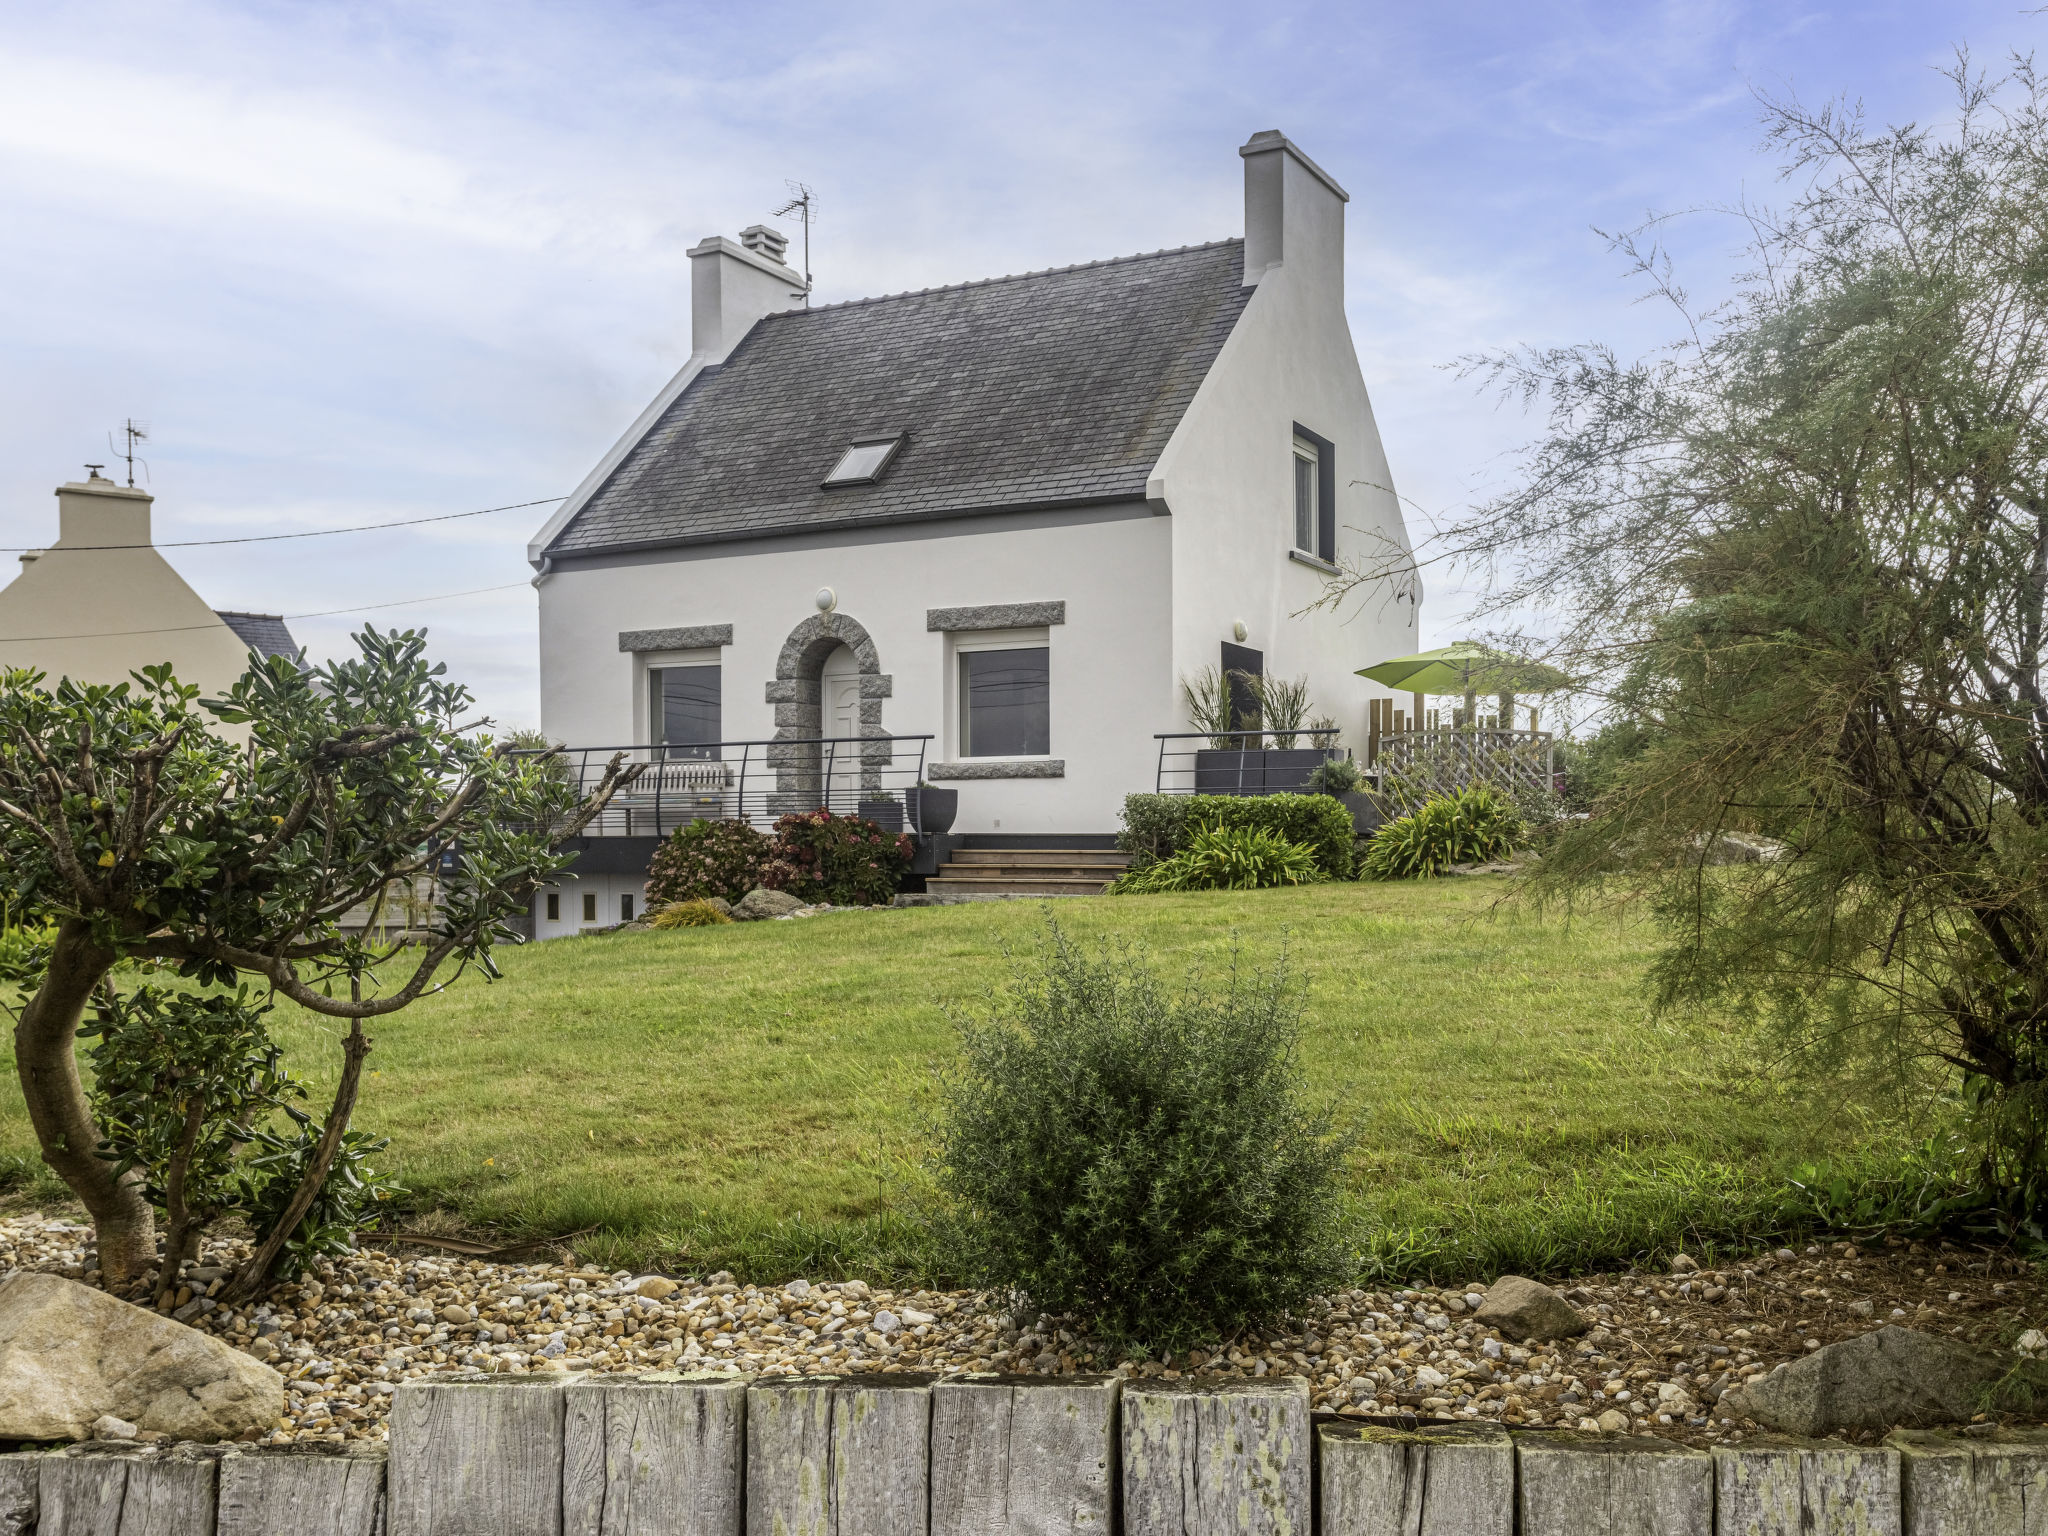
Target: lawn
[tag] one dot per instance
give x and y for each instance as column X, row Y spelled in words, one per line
column 752, row 1096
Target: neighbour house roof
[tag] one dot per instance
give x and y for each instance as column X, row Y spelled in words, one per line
column 263, row 633
column 1049, row 389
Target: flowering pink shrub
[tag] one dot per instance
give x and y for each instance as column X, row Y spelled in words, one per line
column 845, row 860
column 707, row 858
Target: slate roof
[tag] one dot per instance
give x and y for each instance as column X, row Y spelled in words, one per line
column 263, row 633
column 1049, row 389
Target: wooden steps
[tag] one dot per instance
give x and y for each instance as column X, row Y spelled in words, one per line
column 1027, row 872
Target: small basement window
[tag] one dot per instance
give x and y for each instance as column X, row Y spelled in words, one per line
column 864, row 460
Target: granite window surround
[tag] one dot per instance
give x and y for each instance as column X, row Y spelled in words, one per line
column 955, row 621
column 998, row 768
column 690, row 637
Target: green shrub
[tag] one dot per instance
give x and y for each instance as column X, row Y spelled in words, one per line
column 1335, row 776
column 1159, row 826
column 688, row 914
column 1226, row 859
column 1137, row 1157
column 1472, row 825
column 708, row 858
column 845, row 860
column 184, row 1087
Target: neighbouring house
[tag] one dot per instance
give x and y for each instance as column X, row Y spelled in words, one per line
column 102, row 602
column 972, row 538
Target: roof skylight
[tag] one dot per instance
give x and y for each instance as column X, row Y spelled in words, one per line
column 864, row 460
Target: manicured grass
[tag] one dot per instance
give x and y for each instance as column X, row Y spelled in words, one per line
column 752, row 1096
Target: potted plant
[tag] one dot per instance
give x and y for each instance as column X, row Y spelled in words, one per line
column 931, row 810
column 1340, row 778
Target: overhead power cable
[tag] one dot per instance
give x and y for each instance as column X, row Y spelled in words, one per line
column 322, row 613
column 268, row 538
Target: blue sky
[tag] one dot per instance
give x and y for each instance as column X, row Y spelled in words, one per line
column 359, row 262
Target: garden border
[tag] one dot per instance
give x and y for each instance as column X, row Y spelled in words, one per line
column 726, row 1454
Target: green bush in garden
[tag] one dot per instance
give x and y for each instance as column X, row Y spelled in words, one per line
column 1140, row 1158
column 1472, row 825
column 1226, row 859
column 1159, row 826
column 696, row 913
column 707, row 858
column 846, row 860
column 185, row 1086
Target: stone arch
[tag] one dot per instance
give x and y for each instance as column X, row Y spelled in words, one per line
column 798, row 698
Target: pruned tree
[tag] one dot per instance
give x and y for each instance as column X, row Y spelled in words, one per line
column 142, row 831
column 1809, row 545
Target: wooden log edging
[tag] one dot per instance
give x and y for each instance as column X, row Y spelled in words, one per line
column 668, row 1454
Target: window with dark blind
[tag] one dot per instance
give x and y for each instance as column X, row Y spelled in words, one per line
column 684, row 710
column 1006, row 703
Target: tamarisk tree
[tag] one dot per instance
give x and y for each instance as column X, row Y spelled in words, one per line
column 136, row 829
column 1808, row 546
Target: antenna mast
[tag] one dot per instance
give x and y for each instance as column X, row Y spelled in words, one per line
column 803, row 203
column 136, row 432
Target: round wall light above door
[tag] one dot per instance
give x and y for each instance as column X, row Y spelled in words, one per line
column 826, row 599
column 1238, row 630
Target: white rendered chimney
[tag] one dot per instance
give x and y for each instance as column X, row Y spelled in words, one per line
column 733, row 285
column 1293, row 211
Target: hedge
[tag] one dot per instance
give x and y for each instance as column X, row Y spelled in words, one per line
column 1158, row 826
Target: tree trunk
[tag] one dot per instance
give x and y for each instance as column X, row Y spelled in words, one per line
column 46, row 1057
column 180, row 1231
column 255, row 1274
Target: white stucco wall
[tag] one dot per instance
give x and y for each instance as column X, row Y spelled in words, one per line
column 1111, row 665
column 1227, row 473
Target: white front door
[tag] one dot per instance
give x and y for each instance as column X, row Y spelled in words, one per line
column 839, row 715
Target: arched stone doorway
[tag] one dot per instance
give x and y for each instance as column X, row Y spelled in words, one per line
column 798, row 696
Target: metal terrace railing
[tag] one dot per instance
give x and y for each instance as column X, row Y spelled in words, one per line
column 756, row 781
column 1241, row 762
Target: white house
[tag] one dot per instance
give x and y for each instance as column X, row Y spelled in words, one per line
column 1009, row 515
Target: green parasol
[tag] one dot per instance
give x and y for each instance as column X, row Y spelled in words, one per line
column 1468, row 668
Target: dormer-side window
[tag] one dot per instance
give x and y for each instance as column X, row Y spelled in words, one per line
column 1314, row 466
column 1307, row 465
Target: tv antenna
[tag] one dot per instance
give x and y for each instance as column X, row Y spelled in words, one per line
column 136, row 432
column 803, row 202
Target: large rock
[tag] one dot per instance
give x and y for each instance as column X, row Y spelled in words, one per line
column 70, row 1355
column 761, row 902
column 1522, row 1309
column 1893, row 1378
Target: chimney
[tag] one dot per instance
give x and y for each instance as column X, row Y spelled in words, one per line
column 96, row 512
column 1293, row 211
column 763, row 241
column 734, row 284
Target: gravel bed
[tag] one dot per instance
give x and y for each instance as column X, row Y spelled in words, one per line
column 1663, row 1346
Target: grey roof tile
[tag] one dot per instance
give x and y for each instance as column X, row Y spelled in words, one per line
column 263, row 633
column 1049, row 388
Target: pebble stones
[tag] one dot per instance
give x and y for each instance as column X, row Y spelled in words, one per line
column 1661, row 1347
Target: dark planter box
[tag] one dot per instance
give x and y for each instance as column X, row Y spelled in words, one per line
column 1365, row 813
column 1255, row 771
column 932, row 810
column 886, row 814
